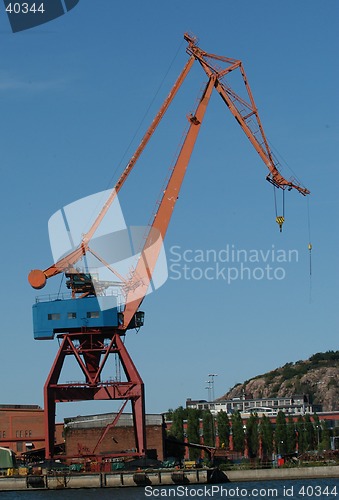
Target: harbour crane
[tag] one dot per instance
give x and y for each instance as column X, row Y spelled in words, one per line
column 91, row 342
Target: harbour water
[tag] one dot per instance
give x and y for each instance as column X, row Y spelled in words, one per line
column 303, row 489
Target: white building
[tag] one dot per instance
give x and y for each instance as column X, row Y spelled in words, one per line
column 291, row 405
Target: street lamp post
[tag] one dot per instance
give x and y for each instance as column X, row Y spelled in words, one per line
column 211, row 381
column 245, row 441
column 208, row 388
column 318, row 431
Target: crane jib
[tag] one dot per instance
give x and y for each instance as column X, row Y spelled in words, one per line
column 246, row 114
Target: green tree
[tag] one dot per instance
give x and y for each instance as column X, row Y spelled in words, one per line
column 280, row 434
column 317, row 431
column 177, row 428
column 291, row 436
column 208, row 428
column 176, row 433
column 310, row 433
column 238, row 432
column 325, row 443
column 223, row 424
column 193, row 431
column 252, row 435
column 169, row 414
column 266, row 436
column 301, row 435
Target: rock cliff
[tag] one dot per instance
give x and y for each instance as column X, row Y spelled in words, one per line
column 318, row 377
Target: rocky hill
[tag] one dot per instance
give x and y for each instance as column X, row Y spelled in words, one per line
column 318, row 376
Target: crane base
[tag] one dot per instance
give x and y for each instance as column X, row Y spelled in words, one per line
column 91, row 350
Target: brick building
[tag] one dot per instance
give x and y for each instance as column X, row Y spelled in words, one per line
column 83, row 433
column 22, row 428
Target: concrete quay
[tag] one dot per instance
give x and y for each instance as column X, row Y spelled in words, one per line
column 107, row 479
column 160, row 477
column 330, row 471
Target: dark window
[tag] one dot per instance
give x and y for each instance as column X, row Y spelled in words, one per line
column 93, row 314
column 71, row 315
column 53, row 316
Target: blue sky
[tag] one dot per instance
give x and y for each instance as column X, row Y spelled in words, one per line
column 76, row 95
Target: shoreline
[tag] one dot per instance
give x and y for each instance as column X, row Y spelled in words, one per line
column 161, row 478
column 321, row 472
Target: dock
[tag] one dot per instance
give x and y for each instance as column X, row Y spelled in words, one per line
column 72, row 480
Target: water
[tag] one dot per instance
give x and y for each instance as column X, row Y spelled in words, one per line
column 304, row 489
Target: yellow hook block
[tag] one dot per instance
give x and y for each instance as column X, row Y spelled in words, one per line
column 280, row 220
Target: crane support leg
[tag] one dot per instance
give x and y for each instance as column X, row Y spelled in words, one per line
column 91, row 351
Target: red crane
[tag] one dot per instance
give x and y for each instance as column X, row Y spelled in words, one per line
column 89, row 346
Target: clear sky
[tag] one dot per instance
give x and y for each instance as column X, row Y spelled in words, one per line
column 76, row 94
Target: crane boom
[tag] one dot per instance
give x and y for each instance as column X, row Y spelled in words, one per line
column 149, row 256
column 36, row 277
column 246, row 114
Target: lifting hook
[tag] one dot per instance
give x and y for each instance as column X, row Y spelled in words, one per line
column 280, row 219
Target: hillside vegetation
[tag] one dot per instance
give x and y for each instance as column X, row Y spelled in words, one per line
column 318, row 376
